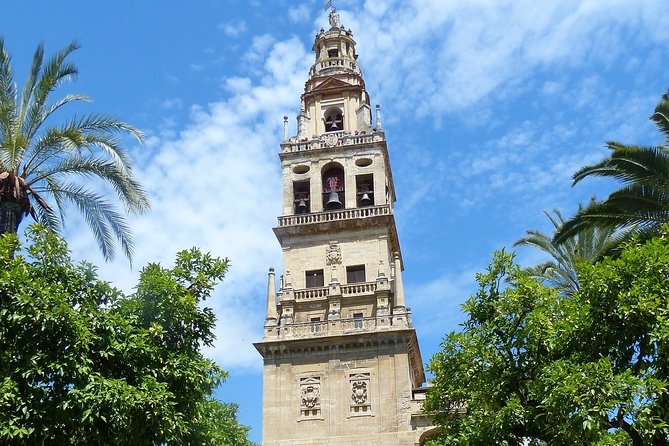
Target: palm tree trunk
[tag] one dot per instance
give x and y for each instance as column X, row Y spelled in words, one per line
column 11, row 214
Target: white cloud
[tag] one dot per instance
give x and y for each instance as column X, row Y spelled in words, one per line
column 233, row 29
column 216, row 185
column 436, row 56
column 257, row 53
column 299, row 13
column 426, row 58
column 172, row 103
column 436, row 305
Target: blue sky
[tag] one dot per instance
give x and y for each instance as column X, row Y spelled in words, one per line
column 488, row 107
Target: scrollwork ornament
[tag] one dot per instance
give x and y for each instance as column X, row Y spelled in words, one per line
column 333, row 254
column 359, row 392
column 310, row 397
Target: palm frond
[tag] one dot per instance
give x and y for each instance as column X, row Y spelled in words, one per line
column 554, row 276
column 54, row 72
column 47, row 160
column 661, row 116
column 106, row 223
column 641, row 198
column 630, row 164
column 606, row 216
column 7, row 108
column 128, row 190
column 586, row 245
column 543, row 242
column 88, row 132
column 28, row 94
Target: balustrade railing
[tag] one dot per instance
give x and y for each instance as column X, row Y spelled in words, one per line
column 311, row 293
column 333, row 139
column 316, row 328
column 336, row 326
column 342, row 214
column 334, row 62
column 358, row 288
column 352, row 289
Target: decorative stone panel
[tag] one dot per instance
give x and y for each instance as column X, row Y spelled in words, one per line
column 359, row 383
column 333, row 254
column 310, row 397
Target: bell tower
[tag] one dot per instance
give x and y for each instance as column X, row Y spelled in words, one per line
column 341, row 359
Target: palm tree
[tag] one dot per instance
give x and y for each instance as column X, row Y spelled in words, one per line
column 643, row 201
column 589, row 245
column 43, row 167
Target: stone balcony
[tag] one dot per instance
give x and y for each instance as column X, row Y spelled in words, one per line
column 338, row 215
column 334, row 65
column 322, row 293
column 338, row 327
column 331, row 139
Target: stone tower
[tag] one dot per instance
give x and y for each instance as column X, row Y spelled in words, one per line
column 341, row 359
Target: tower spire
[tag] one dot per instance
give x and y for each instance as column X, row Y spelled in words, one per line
column 341, row 357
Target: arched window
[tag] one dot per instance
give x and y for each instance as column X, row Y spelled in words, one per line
column 301, row 197
column 365, row 190
column 334, row 120
column 333, row 187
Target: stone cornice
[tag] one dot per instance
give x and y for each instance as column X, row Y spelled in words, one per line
column 397, row 340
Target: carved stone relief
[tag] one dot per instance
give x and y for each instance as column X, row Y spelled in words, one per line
column 310, row 396
column 360, row 397
column 333, row 254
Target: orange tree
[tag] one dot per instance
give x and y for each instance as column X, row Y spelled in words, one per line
column 80, row 363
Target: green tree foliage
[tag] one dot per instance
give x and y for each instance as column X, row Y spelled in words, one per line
column 82, row 364
column 45, row 167
column 533, row 366
column 589, row 245
column 643, row 201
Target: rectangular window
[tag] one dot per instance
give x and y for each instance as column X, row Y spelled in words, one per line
column 357, row 320
column 333, row 53
column 315, row 278
column 355, row 274
column 315, row 324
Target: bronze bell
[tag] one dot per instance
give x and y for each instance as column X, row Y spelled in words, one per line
column 301, row 207
column 333, row 202
column 365, row 200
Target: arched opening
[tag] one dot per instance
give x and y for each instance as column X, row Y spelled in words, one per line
column 365, row 190
column 334, row 119
column 301, row 200
column 333, row 187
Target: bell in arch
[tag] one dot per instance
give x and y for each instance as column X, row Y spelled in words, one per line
column 333, row 201
column 301, row 207
column 365, row 200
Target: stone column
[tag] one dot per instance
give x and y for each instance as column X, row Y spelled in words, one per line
column 272, row 314
column 334, row 301
column 399, row 318
column 399, row 287
column 285, row 128
column 378, row 117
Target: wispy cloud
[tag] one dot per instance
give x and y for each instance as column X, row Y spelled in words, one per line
column 299, row 13
column 215, row 184
column 233, row 29
column 445, row 56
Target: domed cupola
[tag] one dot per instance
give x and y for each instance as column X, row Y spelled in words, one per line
column 335, row 51
column 334, row 98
